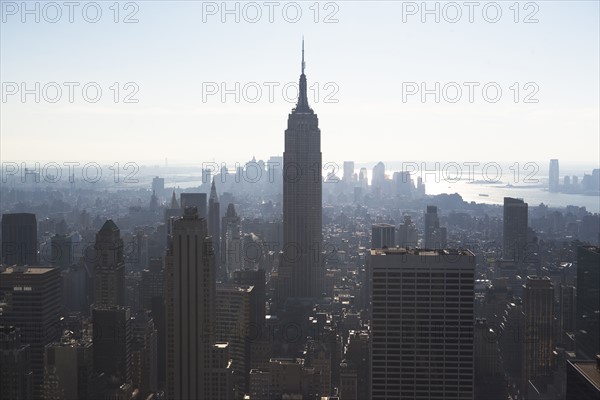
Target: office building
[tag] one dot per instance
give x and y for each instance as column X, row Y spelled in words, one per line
column 19, row 239
column 421, row 323
column 383, row 235
column 109, row 267
column 301, row 267
column 588, row 302
column 515, row 229
column 538, row 329
column 194, row 360
column 32, row 296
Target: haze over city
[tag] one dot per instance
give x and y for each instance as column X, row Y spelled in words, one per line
column 299, row 201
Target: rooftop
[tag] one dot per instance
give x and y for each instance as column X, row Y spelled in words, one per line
column 395, row 251
column 25, row 270
column 589, row 370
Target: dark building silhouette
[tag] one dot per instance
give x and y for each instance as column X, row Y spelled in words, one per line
column 33, row 296
column 588, row 301
column 144, row 354
column 19, row 239
column 435, row 236
column 538, row 329
column 197, row 366
column 407, row 233
column 197, row 200
column 383, row 235
column 16, row 376
column 254, row 278
column 214, row 223
column 109, row 267
column 515, row 229
column 112, row 342
column 301, row 270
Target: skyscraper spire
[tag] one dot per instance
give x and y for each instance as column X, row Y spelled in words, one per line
column 302, row 106
column 174, row 203
column 213, row 192
column 303, row 64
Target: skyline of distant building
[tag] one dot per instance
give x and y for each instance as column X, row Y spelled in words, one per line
column 514, row 234
column 19, row 239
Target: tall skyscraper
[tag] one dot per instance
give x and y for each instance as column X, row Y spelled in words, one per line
column 214, row 222
column 233, row 313
column 348, row 176
column 19, row 239
column 435, row 236
column 301, row 266
column 515, row 229
column 383, row 235
column 407, row 233
column 158, row 186
column 144, row 353
column 33, row 297
column 588, row 301
column 422, row 320
column 192, row 356
column 553, row 175
column 255, row 278
column 197, row 200
column 232, row 251
column 378, row 177
column 538, row 329
column 109, row 267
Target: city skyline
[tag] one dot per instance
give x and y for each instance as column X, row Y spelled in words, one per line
column 138, row 265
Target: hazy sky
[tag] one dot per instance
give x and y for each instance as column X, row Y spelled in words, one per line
column 370, row 56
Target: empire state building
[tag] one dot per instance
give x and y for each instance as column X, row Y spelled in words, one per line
column 300, row 265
